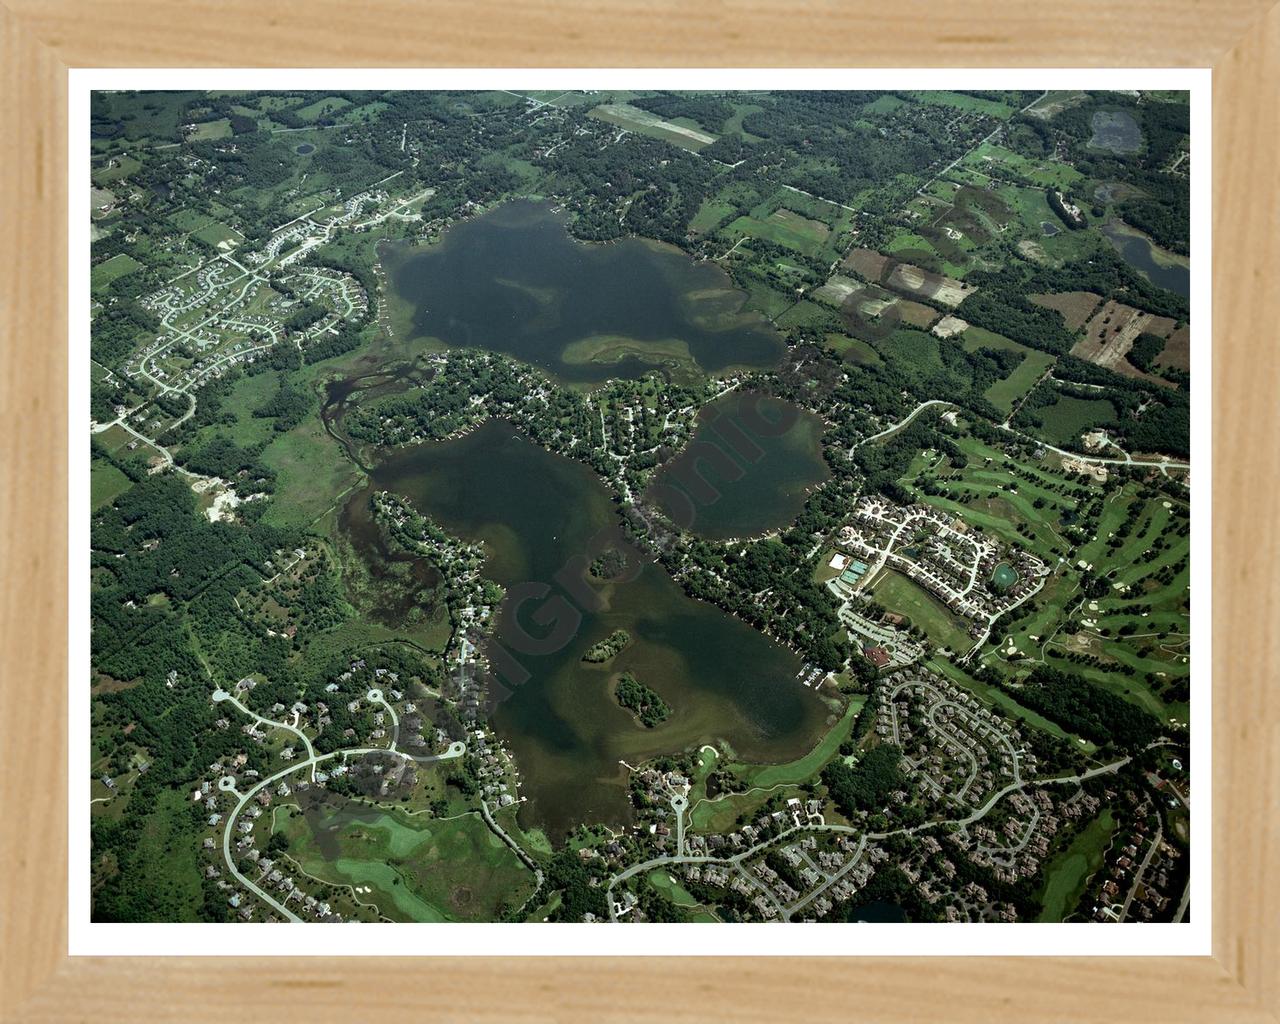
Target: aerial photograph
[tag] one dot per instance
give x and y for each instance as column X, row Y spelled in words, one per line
column 639, row 506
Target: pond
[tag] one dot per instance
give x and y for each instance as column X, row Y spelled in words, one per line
column 749, row 468
column 515, row 281
column 1115, row 131
column 304, row 149
column 1004, row 577
column 1157, row 265
column 536, row 513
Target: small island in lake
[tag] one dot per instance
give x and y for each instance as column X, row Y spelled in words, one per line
column 607, row 648
column 647, row 706
column 610, row 565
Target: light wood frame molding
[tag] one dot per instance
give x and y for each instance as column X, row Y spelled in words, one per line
column 41, row 39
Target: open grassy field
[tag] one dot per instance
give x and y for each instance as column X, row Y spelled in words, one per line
column 1005, row 393
column 106, row 483
column 206, row 130
column 711, row 214
column 853, row 350
column 999, row 162
column 960, row 101
column 1068, row 873
column 1177, row 350
column 324, row 107
column 101, row 276
column 1069, row 417
column 906, row 597
column 1075, row 307
column 782, row 227
column 312, row 474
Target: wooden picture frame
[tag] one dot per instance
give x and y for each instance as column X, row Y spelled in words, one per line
column 42, row 39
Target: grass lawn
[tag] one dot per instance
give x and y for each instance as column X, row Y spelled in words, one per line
column 1069, row 872
column 673, row 890
column 899, row 594
column 114, row 169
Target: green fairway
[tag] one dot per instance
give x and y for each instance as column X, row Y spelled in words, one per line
column 809, row 765
column 431, row 869
column 1067, row 874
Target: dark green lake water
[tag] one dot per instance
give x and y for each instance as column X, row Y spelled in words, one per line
column 515, row 281
column 1139, row 252
column 535, row 511
column 749, row 468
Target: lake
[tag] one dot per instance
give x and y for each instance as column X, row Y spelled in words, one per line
column 515, row 281
column 1157, row 265
column 749, row 468
column 535, row 511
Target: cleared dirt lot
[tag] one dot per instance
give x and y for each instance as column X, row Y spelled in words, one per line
column 1075, row 307
column 1111, row 332
column 906, row 277
column 949, row 326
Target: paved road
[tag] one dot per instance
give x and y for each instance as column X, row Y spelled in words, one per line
column 1142, row 868
column 312, row 760
column 900, row 424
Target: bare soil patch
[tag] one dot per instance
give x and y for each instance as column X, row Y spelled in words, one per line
column 1111, row 333
column 950, row 326
column 906, row 277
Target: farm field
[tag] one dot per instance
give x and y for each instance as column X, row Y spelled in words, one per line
column 110, row 270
